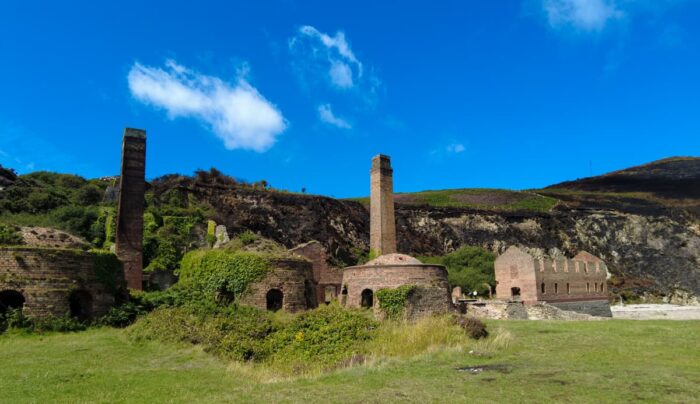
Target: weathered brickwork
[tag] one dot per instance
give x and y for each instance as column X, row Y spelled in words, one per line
column 47, row 278
column 129, row 237
column 578, row 284
column 327, row 279
column 382, row 222
column 293, row 278
column 432, row 296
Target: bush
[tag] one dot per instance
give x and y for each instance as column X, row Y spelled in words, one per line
column 326, row 337
column 16, row 320
column 471, row 268
column 393, row 301
column 474, row 327
column 9, row 235
column 222, row 271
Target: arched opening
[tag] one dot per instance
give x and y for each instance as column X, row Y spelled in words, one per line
column 80, row 304
column 515, row 292
column 310, row 295
column 10, row 300
column 367, row 298
column 330, row 294
column 274, row 297
column 543, row 289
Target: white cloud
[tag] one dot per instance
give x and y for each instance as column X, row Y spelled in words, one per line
column 585, row 15
column 236, row 112
column 317, row 54
column 455, row 148
column 325, row 113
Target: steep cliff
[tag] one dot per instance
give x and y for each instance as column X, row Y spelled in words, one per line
column 648, row 235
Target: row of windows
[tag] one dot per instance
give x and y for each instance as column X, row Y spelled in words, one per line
column 596, row 287
column 576, row 264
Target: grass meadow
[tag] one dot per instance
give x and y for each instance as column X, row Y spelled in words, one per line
column 525, row 361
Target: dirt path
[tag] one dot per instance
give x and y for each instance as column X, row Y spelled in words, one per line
column 656, row 312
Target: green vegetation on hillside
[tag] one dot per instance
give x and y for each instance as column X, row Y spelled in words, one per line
column 469, row 267
column 485, row 199
column 536, row 361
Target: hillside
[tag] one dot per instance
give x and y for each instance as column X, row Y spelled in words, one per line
column 649, row 236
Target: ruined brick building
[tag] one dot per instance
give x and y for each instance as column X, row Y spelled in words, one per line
column 391, row 270
column 577, row 284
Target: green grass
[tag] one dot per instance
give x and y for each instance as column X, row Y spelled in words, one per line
column 606, row 361
column 477, row 198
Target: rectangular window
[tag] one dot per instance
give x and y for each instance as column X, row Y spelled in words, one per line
column 595, row 285
column 588, row 287
column 556, row 288
column 542, row 288
column 568, row 289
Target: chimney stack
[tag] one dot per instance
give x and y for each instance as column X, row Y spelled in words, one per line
column 382, row 222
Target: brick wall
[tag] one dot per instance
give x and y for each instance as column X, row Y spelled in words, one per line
column 325, row 277
column 294, row 278
column 46, row 277
column 433, row 289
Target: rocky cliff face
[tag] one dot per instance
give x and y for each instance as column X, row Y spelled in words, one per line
column 646, row 253
column 643, row 221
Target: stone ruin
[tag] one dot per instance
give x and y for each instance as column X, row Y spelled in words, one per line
column 391, row 270
column 577, row 284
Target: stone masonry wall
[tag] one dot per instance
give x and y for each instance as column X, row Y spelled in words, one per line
column 46, row 277
column 324, row 275
column 434, row 292
column 294, row 278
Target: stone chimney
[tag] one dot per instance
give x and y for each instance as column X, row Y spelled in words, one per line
column 382, row 237
column 132, row 188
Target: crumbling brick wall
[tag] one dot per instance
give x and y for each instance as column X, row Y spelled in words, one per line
column 294, row 278
column 46, row 277
column 325, row 277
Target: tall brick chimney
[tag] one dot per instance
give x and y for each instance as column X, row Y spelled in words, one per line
column 132, row 188
column 382, row 229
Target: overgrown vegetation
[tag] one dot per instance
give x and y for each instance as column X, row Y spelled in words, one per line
column 393, row 301
column 469, row 267
column 222, row 271
column 9, row 235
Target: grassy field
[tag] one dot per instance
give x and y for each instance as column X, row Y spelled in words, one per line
column 607, row 361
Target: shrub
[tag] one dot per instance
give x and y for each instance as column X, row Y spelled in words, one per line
column 393, row 301
column 9, row 235
column 471, row 268
column 321, row 338
column 474, row 327
column 222, row 271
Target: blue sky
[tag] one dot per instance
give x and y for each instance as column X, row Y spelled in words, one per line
column 506, row 94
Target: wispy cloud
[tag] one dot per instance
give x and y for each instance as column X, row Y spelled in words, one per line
column 236, row 112
column 455, row 148
column 331, row 53
column 325, row 113
column 584, row 15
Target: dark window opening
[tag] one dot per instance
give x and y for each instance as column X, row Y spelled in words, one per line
column 515, row 292
column 80, row 304
column 543, row 289
column 345, row 290
column 367, row 298
column 10, row 300
column 556, row 288
column 310, row 295
column 588, row 287
column 568, row 289
column 275, row 298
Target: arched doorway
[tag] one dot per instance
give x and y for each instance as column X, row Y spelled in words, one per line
column 80, row 304
column 10, row 300
column 274, row 297
column 367, row 298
